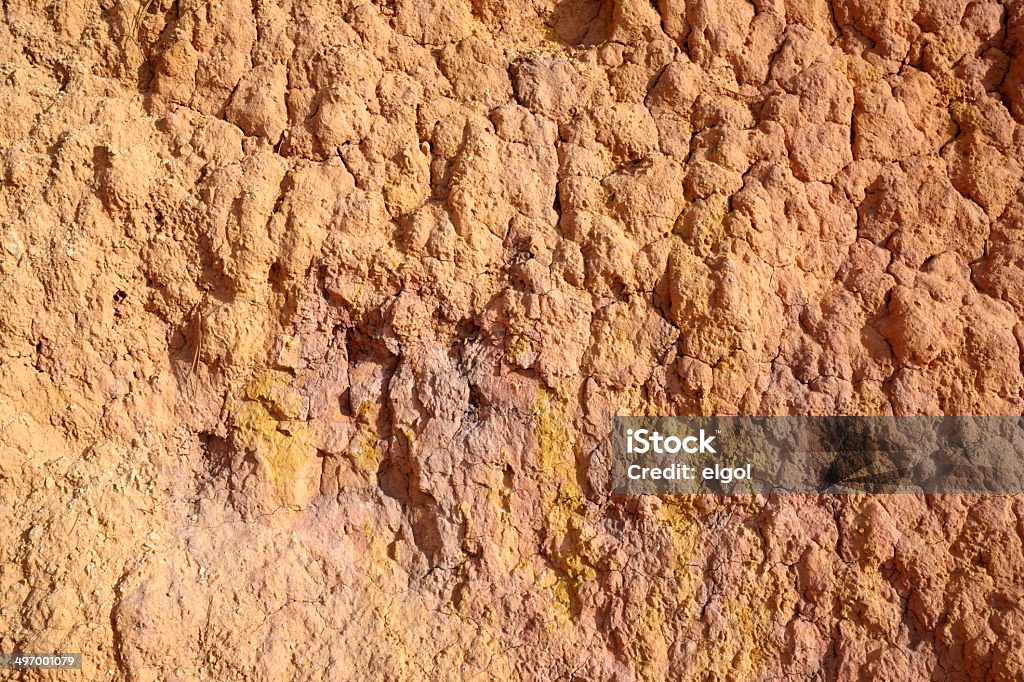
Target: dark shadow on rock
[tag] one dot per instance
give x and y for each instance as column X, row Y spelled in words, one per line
column 582, row 22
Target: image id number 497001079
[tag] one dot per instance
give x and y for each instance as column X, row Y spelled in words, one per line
column 40, row 661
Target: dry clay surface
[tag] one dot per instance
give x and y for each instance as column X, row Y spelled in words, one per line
column 314, row 316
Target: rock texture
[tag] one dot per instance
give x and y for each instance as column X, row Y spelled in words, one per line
column 315, row 316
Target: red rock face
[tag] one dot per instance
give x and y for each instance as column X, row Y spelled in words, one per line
column 316, row 315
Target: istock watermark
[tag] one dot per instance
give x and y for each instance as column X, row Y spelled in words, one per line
column 823, row 455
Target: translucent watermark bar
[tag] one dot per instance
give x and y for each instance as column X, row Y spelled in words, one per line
column 31, row 661
column 823, row 455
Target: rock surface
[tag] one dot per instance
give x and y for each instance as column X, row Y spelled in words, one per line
column 315, row 316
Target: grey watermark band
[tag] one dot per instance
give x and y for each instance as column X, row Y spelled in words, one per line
column 824, row 455
column 33, row 661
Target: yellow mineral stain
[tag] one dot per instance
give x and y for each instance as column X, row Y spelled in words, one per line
column 563, row 501
column 518, row 346
column 284, row 447
column 747, row 643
